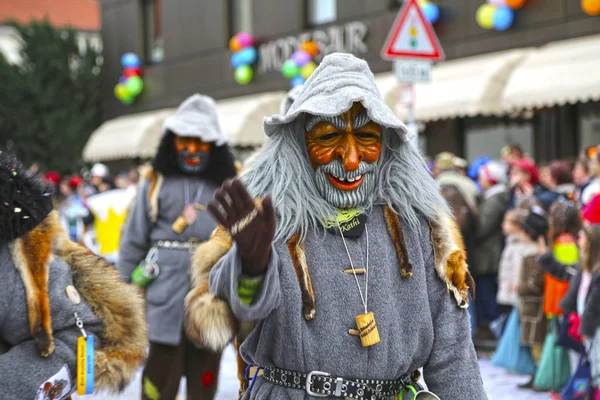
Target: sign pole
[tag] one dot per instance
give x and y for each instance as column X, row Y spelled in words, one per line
column 412, row 45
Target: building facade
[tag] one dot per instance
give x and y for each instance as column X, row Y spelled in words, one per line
column 185, row 47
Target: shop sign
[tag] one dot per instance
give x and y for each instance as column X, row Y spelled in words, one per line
column 347, row 38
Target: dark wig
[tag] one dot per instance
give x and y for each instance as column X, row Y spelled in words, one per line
column 221, row 164
column 24, row 200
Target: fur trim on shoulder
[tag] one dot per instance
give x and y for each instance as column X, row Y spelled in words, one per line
column 32, row 254
column 119, row 306
column 156, row 181
column 451, row 258
column 209, row 320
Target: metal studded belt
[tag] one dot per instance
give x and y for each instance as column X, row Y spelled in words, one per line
column 173, row 244
column 322, row 384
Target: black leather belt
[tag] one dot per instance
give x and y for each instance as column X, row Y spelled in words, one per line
column 322, row 384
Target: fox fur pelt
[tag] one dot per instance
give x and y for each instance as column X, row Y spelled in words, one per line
column 123, row 339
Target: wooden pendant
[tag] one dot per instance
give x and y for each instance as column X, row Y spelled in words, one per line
column 179, row 225
column 369, row 335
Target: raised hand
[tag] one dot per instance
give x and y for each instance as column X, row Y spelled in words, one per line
column 252, row 229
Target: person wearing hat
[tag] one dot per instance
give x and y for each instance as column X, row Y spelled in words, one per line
column 166, row 223
column 489, row 240
column 337, row 264
column 525, row 182
column 450, row 175
column 55, row 294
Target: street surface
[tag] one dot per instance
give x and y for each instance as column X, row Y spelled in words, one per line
column 498, row 384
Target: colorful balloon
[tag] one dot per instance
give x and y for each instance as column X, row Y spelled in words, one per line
column 300, row 58
column 497, row 3
column 243, row 74
column 244, row 39
column 127, row 100
column 422, row 3
column 123, row 79
column 310, row 47
column 485, row 16
column 234, row 44
column 134, row 85
column 130, row 60
column 591, row 7
column 308, row 69
column 121, row 91
column 245, row 56
column 515, row 4
column 297, row 81
column 132, row 71
column 431, row 12
column 503, row 18
column 289, row 69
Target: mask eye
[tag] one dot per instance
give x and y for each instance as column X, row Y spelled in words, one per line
column 366, row 135
column 329, row 136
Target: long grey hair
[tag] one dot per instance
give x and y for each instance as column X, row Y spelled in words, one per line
column 282, row 169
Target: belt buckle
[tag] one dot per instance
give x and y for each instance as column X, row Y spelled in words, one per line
column 309, row 383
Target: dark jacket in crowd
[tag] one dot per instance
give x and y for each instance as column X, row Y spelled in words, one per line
column 531, row 302
column 590, row 320
column 489, row 238
column 558, row 270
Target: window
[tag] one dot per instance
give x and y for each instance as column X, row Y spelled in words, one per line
column 589, row 124
column 153, row 40
column 321, row 11
column 241, row 16
column 487, row 136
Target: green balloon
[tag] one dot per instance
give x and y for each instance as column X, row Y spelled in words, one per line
column 289, row 69
column 135, row 85
column 243, row 74
column 127, row 100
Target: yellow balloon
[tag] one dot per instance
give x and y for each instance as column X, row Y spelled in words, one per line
column 485, row 16
column 307, row 70
column 422, row 3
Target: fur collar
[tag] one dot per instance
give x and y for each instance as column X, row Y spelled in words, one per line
column 123, row 339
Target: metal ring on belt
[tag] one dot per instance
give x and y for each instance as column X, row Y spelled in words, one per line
column 173, row 244
column 322, row 384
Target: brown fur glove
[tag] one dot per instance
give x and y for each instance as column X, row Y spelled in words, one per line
column 252, row 228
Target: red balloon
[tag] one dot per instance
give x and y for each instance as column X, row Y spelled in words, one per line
column 132, row 71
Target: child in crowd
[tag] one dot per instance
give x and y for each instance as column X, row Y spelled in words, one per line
column 530, row 288
column 510, row 353
column 511, row 259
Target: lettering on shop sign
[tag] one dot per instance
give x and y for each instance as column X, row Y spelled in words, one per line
column 348, row 38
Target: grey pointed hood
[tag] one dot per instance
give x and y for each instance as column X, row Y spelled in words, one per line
column 197, row 117
column 340, row 80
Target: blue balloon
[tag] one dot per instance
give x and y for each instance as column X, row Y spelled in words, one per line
column 130, row 60
column 298, row 81
column 431, row 12
column 503, row 18
column 245, row 56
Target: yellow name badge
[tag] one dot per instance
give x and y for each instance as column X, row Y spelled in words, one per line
column 85, row 365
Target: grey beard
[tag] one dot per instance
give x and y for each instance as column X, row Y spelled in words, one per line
column 359, row 197
column 192, row 169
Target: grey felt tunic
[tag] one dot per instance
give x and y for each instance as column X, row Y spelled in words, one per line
column 166, row 294
column 419, row 323
column 22, row 369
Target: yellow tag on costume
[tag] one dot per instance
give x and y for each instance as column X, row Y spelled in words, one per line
column 342, row 217
column 85, row 365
